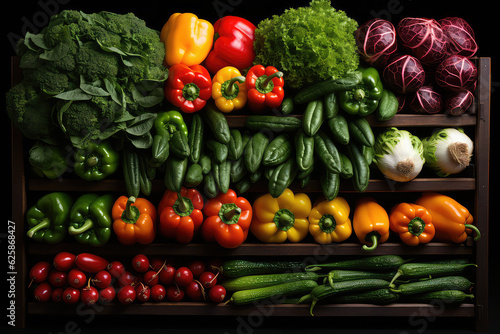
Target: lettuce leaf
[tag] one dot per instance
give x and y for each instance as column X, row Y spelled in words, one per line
column 308, row 44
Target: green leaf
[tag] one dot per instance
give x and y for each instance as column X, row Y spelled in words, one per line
column 142, row 142
column 93, row 90
column 58, row 52
column 76, row 94
column 60, row 113
column 142, row 124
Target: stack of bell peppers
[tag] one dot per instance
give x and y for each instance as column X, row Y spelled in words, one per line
column 195, row 49
column 227, row 219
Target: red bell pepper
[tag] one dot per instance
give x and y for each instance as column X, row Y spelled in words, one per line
column 228, row 219
column 188, row 87
column 181, row 214
column 265, row 87
column 233, row 44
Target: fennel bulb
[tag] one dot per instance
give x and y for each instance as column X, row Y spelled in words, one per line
column 448, row 151
column 399, row 155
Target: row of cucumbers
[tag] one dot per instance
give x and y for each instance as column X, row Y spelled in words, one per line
column 277, row 148
column 378, row 280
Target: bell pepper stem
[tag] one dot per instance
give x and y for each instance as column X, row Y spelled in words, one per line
column 85, row 227
column 92, row 161
column 230, row 214
column 41, row 225
column 182, row 203
column 475, row 229
column 230, row 89
column 271, row 77
column 374, row 240
column 129, row 213
column 359, row 94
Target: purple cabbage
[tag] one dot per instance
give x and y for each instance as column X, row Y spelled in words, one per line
column 376, row 41
column 461, row 38
column 456, row 73
column 427, row 101
column 458, row 103
column 425, row 38
column 404, row 74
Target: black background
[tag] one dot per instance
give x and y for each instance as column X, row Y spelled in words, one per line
column 20, row 16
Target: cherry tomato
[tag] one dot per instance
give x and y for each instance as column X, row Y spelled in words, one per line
column 90, row 263
column 116, row 269
column 155, row 263
column 89, row 295
column 183, row 276
column 167, row 275
column 126, row 279
column 64, row 261
column 56, row 295
column 39, row 272
column 143, row 292
column 175, row 294
column 151, row 278
column 217, row 293
column 195, row 291
column 107, row 295
column 76, row 278
column 208, row 279
column 71, row 295
column 58, row 279
column 140, row 263
column 102, row 279
column 197, row 267
column 43, row 292
column 214, row 265
column 158, row 292
column 126, row 295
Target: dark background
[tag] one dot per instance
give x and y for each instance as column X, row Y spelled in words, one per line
column 21, row 16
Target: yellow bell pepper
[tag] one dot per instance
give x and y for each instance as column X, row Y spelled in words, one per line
column 229, row 89
column 329, row 221
column 276, row 220
column 187, row 39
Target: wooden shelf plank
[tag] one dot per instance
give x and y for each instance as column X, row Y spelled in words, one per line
column 199, row 308
column 254, row 249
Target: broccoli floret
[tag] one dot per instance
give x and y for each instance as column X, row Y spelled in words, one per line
column 47, row 81
column 94, row 64
column 29, row 112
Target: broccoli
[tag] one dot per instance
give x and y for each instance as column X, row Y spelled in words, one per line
column 98, row 62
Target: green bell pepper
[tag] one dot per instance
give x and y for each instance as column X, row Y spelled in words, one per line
column 363, row 99
column 171, row 135
column 48, row 218
column 90, row 219
column 47, row 160
column 96, row 161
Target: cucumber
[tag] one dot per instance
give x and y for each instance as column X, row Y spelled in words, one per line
column 361, row 131
column 278, row 150
column 346, row 172
column 360, row 167
column 434, row 284
column 313, row 117
column 273, row 123
column 235, row 146
column 217, row 123
column 261, row 281
column 331, row 106
column 446, row 296
column 304, row 150
column 238, row 268
column 381, row 262
column 195, row 138
column 219, row 150
column 254, row 151
column 382, row 296
column 339, row 128
column 327, row 152
column 194, row 176
column 322, row 88
column 416, row 270
column 330, row 183
column 338, row 275
column 345, row 287
column 286, row 106
column 279, row 291
column 388, row 106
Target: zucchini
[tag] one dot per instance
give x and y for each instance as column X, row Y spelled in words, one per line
column 273, row 123
column 380, row 262
column 446, row 296
column 416, row 270
column 278, row 292
column 238, row 268
column 261, row 281
column 434, row 284
column 345, row 287
column 322, row 88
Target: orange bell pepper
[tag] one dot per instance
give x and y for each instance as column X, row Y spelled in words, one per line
column 134, row 220
column 370, row 223
column 453, row 222
column 412, row 222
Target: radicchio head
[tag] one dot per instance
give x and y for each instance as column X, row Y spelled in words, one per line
column 456, row 73
column 404, row 74
column 376, row 41
column 460, row 36
column 427, row 100
column 425, row 38
column 458, row 103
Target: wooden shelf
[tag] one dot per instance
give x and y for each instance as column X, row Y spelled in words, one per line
column 200, row 308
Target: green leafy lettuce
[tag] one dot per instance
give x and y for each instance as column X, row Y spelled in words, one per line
column 308, row 44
